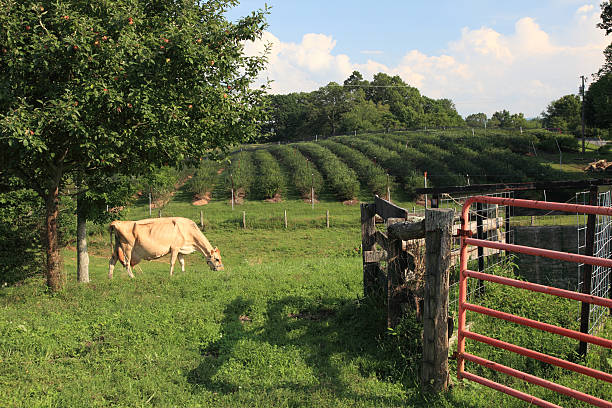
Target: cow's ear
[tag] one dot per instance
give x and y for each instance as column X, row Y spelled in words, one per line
column 216, row 250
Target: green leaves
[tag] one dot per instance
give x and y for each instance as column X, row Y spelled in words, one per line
column 118, row 73
column 270, row 180
column 105, row 88
column 241, row 174
column 304, row 174
column 343, row 180
column 203, row 181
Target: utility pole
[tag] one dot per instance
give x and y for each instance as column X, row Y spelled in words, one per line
column 582, row 112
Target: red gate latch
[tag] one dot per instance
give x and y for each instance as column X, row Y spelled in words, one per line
column 463, row 233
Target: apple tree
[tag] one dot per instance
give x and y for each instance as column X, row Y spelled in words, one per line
column 119, row 86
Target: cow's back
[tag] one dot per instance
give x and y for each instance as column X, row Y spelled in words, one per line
column 154, row 237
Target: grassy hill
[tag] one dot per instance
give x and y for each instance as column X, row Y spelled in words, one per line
column 285, row 324
column 360, row 166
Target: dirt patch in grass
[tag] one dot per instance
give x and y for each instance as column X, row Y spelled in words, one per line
column 239, row 196
column 276, row 199
column 202, row 200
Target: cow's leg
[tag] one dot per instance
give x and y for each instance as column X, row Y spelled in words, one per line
column 128, row 260
column 111, row 264
column 129, row 269
column 173, row 256
column 181, row 259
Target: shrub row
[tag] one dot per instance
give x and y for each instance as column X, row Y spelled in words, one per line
column 303, row 173
column 21, row 217
column 388, row 159
column 241, row 173
column 161, row 183
column 372, row 176
column 203, row 180
column 486, row 158
column 342, row 180
column 270, row 179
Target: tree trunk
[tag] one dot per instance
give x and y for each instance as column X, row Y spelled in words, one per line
column 82, row 255
column 54, row 272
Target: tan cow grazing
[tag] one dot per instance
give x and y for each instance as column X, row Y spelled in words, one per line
column 153, row 238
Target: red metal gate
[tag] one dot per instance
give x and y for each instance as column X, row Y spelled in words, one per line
column 464, row 306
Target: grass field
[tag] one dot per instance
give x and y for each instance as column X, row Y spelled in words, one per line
column 284, row 325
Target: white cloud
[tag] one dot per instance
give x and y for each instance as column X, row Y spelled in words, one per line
column 482, row 70
column 585, row 9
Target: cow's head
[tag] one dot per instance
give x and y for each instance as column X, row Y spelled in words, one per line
column 214, row 261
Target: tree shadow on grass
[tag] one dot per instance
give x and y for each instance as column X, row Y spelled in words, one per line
column 341, row 343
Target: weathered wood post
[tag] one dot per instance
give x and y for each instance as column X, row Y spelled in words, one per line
column 368, row 244
column 201, row 219
column 395, row 266
column 438, row 231
column 398, row 262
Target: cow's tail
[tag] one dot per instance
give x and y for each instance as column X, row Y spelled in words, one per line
column 111, row 230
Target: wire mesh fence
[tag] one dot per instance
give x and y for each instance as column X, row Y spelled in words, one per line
column 600, row 276
column 492, row 223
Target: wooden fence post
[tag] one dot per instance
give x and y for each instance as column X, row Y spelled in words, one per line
column 285, row 219
column 202, row 219
column 327, row 217
column 438, row 231
column 368, row 243
column 396, row 264
column 244, row 219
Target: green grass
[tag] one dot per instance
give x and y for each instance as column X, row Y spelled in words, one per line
column 283, row 325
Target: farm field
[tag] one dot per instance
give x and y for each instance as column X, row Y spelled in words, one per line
column 324, row 257
column 284, row 324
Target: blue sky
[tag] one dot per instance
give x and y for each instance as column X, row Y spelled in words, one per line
column 485, row 56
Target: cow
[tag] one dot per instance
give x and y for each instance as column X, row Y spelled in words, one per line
column 153, row 238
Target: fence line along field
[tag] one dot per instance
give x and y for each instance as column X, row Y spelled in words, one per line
column 285, row 323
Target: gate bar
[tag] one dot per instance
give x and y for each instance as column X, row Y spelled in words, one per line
column 510, row 391
column 539, row 325
column 600, row 375
column 464, row 306
column 542, row 205
column 547, row 253
column 538, row 381
column 549, row 290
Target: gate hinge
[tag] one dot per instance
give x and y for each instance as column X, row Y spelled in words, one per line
column 463, row 233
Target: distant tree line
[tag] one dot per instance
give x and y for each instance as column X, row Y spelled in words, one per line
column 384, row 103
column 565, row 113
column 598, row 98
